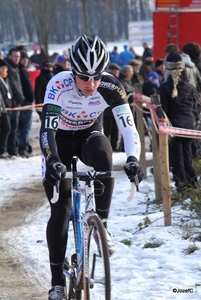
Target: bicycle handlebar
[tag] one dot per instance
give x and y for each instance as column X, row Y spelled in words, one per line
column 97, row 175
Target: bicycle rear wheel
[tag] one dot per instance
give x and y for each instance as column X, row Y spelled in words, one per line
column 97, row 285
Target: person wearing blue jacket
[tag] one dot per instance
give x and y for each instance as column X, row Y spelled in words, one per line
column 125, row 56
column 114, row 56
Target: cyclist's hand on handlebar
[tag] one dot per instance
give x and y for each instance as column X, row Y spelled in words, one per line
column 55, row 170
column 133, row 168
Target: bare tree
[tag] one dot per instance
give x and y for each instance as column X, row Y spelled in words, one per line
column 43, row 13
column 59, row 21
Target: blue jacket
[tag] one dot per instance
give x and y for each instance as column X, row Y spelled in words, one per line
column 125, row 56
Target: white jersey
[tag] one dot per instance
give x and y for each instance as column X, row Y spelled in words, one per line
column 67, row 109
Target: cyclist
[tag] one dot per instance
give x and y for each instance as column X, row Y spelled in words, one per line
column 73, row 102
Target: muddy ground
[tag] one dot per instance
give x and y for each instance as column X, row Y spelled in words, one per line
column 15, row 282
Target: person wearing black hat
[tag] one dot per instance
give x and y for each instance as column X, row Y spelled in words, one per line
column 160, row 68
column 25, row 118
column 6, row 101
column 147, row 64
column 41, row 82
column 146, row 49
column 179, row 102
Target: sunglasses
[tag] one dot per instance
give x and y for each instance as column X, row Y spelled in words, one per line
column 87, row 78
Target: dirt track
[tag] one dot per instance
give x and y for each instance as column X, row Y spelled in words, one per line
column 15, row 284
column 14, row 281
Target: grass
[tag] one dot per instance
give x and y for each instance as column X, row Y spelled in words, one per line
column 127, row 242
column 153, row 243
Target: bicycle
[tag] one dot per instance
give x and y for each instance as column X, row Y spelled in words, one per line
column 88, row 271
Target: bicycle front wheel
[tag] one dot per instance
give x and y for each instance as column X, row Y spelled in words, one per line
column 97, row 283
column 73, row 292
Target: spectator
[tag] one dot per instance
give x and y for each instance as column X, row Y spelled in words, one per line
column 179, row 101
column 34, row 59
column 62, row 64
column 4, row 128
column 136, row 64
column 42, row 56
column 41, row 82
column 146, row 48
column 114, row 69
column 12, row 61
column 25, row 118
column 114, row 56
column 125, row 56
column 194, row 51
column 194, row 78
column 5, row 102
column 192, row 71
column 160, row 68
column 109, row 124
column 125, row 77
column 170, row 48
column 147, row 65
column 150, row 87
column 53, row 57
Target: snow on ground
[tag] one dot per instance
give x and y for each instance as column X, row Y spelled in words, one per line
column 138, row 273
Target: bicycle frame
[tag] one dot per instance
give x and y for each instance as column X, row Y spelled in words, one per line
column 81, row 226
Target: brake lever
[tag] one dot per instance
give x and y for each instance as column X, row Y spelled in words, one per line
column 134, row 188
column 56, row 189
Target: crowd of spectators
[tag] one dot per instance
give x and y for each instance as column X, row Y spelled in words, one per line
column 176, row 78
column 17, row 95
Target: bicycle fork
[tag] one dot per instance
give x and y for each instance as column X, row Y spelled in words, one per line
column 89, row 209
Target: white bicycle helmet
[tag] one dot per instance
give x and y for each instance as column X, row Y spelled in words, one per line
column 89, row 56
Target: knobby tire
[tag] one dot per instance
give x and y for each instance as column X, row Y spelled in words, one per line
column 105, row 290
column 71, row 245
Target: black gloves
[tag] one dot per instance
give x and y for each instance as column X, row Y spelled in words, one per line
column 55, row 170
column 133, row 168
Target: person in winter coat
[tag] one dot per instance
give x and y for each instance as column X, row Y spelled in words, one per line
column 192, row 71
column 114, row 56
column 125, row 56
column 14, row 76
column 160, row 68
column 6, row 101
column 150, row 87
column 136, row 65
column 179, row 102
column 41, row 82
column 62, row 64
column 125, row 77
column 147, row 64
column 25, row 118
column 194, row 51
column 4, row 128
